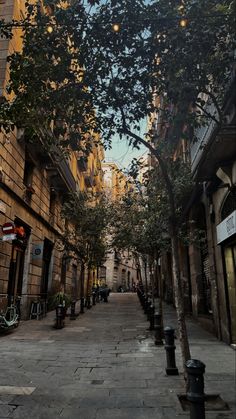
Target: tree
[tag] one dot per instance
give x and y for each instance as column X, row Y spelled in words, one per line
column 141, row 221
column 87, row 236
column 170, row 61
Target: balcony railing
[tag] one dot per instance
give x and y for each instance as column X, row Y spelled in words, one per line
column 56, row 165
column 202, row 136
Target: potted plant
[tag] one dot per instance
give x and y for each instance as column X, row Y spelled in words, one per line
column 59, row 298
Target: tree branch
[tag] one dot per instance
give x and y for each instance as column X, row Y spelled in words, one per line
column 209, row 115
column 158, row 156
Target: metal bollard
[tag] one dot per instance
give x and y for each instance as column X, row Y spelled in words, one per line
column 94, row 298
column 169, row 334
column 142, row 300
column 59, row 317
column 88, row 302
column 151, row 317
column 158, row 329
column 146, row 305
column 195, row 394
column 149, row 304
column 72, row 310
column 82, row 305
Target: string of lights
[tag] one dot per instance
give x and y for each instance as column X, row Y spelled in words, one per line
column 116, row 26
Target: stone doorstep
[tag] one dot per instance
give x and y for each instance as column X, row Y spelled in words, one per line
column 15, row 390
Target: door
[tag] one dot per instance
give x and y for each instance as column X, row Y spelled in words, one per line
column 16, row 274
column 74, row 282
column 230, row 270
column 47, row 254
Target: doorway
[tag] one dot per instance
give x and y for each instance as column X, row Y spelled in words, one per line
column 17, row 262
column 230, row 275
column 47, row 254
column 16, row 274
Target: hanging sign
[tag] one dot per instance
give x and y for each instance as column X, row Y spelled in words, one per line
column 37, row 254
column 20, row 232
column 227, row 228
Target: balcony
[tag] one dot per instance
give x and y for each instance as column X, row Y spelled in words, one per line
column 82, row 164
column 215, row 144
column 88, row 180
column 56, row 165
column 203, row 136
column 61, row 175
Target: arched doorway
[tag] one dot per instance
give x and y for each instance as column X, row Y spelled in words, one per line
column 204, row 283
column 228, row 217
column 17, row 262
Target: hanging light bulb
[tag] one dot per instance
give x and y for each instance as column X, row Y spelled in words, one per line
column 183, row 23
column 49, row 29
column 116, row 27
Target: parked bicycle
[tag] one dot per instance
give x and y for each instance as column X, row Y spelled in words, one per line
column 11, row 317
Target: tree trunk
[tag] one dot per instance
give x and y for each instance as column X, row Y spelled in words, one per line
column 145, row 275
column 88, row 283
column 179, row 301
column 82, row 280
column 183, row 337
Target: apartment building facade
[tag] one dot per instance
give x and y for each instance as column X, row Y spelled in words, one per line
column 34, row 184
column 208, row 268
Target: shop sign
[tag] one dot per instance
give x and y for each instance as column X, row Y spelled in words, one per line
column 226, row 228
column 37, row 253
column 20, row 232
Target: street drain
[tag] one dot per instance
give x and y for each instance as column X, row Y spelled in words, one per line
column 97, row 382
column 213, row 402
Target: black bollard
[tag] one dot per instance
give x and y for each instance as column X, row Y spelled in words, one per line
column 142, row 300
column 82, row 305
column 88, row 305
column 59, row 317
column 151, row 317
column 195, row 394
column 169, row 334
column 149, row 304
column 94, row 298
column 139, row 294
column 72, row 310
column 158, row 329
column 146, row 301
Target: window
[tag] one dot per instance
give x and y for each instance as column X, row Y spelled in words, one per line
column 28, row 172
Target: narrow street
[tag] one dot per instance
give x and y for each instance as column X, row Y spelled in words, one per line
column 104, row 365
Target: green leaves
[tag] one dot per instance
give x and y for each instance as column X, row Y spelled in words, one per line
column 89, row 220
column 141, row 222
column 81, row 65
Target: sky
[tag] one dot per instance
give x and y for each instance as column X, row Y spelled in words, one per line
column 122, row 153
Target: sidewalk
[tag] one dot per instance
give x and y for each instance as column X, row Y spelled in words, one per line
column 104, row 365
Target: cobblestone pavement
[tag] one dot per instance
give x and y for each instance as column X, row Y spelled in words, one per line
column 104, row 365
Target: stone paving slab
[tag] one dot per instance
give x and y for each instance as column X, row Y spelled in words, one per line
column 105, row 365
